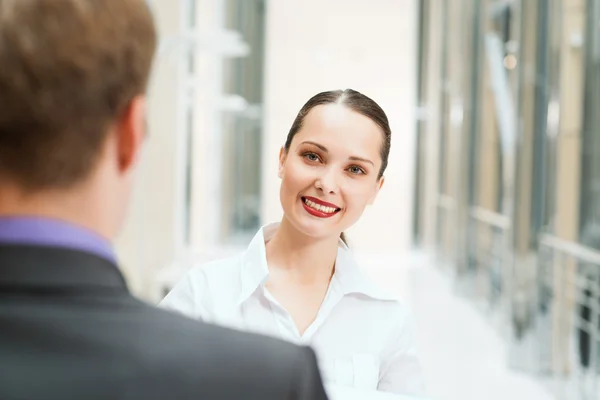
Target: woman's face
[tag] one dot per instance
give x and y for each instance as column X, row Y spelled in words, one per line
column 329, row 174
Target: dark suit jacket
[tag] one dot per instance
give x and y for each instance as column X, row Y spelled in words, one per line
column 69, row 329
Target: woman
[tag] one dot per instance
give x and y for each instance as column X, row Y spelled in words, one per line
column 298, row 280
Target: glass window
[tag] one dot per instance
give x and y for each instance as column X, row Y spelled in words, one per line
column 242, row 127
column 492, row 150
column 590, row 188
column 422, row 68
column 590, row 171
column 189, row 130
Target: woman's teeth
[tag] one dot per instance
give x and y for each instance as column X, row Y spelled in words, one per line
column 312, row 204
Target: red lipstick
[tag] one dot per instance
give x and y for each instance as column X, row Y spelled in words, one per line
column 319, row 208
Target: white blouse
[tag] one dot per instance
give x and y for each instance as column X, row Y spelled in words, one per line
column 362, row 335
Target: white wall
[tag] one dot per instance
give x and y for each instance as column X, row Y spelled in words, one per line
column 147, row 242
column 369, row 46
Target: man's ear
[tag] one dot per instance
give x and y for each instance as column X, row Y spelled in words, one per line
column 376, row 190
column 130, row 131
column 282, row 157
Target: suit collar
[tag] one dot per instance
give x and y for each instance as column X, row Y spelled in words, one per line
column 50, row 232
column 43, row 267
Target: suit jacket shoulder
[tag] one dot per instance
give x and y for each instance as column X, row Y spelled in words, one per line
column 196, row 356
column 71, row 330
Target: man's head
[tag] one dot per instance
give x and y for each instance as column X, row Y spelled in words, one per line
column 73, row 75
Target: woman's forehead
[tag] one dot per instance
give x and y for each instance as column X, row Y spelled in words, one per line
column 336, row 124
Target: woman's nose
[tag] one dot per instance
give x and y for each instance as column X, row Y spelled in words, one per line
column 327, row 182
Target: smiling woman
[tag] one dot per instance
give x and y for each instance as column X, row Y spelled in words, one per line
column 358, row 129
column 297, row 280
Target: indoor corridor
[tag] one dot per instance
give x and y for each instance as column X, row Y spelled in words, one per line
column 492, row 185
column 462, row 355
column 482, row 118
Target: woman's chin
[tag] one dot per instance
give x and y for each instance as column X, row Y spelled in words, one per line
column 314, row 228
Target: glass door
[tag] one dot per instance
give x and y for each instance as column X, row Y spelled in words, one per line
column 419, row 208
column 491, row 146
column 569, row 256
column 242, row 125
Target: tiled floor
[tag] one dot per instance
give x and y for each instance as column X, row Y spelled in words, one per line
column 462, row 356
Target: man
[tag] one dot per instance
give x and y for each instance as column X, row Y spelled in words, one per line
column 72, row 79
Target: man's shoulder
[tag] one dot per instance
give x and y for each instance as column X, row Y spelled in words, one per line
column 178, row 332
column 196, row 354
column 127, row 346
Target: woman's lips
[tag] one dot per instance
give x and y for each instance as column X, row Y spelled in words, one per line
column 319, row 208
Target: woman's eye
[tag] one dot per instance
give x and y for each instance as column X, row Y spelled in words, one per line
column 311, row 157
column 356, row 170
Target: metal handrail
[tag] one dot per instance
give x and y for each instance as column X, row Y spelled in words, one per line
column 490, row 217
column 575, row 250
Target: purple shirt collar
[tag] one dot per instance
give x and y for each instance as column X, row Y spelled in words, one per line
column 41, row 231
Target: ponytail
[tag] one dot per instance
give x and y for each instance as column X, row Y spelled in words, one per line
column 343, row 237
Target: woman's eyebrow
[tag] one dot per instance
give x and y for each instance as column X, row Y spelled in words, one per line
column 354, row 158
column 320, row 146
column 324, row 149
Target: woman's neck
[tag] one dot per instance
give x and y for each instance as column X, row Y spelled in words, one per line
column 302, row 258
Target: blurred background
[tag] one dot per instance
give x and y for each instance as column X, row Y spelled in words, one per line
column 488, row 225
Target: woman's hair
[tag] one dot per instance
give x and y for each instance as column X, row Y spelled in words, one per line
column 356, row 102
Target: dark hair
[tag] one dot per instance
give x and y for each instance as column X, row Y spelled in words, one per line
column 356, row 102
column 69, row 69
